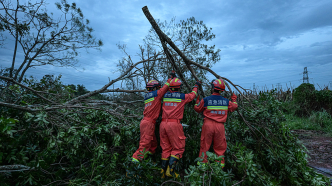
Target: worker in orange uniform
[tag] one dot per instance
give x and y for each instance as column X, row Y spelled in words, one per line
column 215, row 109
column 152, row 101
column 172, row 139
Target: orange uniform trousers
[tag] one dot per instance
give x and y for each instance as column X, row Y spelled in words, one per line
column 213, row 131
column 148, row 138
column 172, row 139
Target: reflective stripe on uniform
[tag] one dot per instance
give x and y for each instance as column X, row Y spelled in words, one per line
column 235, row 102
column 134, row 160
column 167, row 84
column 175, row 156
column 217, row 107
column 171, row 100
column 195, row 93
column 148, row 100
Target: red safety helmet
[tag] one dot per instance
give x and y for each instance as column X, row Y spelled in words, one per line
column 175, row 83
column 152, row 84
column 218, row 84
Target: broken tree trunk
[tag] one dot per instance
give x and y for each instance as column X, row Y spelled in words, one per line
column 164, row 38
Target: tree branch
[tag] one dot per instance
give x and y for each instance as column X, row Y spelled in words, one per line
column 127, row 91
column 106, row 86
column 164, row 37
column 36, row 92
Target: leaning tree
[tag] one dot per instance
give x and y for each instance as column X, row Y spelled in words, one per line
column 49, row 136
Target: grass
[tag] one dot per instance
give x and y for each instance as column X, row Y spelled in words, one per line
column 319, row 120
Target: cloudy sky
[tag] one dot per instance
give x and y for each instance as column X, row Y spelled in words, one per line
column 265, row 42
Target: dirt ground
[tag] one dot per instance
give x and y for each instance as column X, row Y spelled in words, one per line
column 319, row 146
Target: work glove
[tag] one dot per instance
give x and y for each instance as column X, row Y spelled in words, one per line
column 172, row 74
column 233, row 98
column 197, row 84
column 197, row 100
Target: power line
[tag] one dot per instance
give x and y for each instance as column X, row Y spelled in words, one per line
column 273, row 79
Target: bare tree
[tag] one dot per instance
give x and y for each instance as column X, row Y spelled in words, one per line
column 190, row 36
column 45, row 40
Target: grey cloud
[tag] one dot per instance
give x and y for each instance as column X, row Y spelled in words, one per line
column 254, row 22
column 247, row 32
column 315, row 17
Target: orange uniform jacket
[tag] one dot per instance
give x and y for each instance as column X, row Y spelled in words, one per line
column 215, row 109
column 172, row 139
column 173, row 106
column 152, row 101
column 148, row 140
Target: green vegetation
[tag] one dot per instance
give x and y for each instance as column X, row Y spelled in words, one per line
column 310, row 109
column 93, row 147
column 56, row 134
column 307, row 99
column 317, row 121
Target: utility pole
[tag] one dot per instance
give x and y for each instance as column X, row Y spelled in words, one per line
column 254, row 89
column 330, row 85
column 305, row 76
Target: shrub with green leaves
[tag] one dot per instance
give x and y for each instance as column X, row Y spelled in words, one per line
column 321, row 118
column 307, row 99
column 75, row 146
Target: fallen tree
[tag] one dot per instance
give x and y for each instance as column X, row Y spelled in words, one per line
column 50, row 137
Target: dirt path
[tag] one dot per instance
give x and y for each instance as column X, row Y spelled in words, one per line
column 319, row 146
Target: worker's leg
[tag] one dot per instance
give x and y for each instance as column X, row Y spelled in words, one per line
column 206, row 139
column 177, row 138
column 219, row 141
column 178, row 141
column 166, row 149
column 154, row 144
column 164, row 141
column 146, row 136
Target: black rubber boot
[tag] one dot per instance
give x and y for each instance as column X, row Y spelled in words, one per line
column 164, row 167
column 172, row 165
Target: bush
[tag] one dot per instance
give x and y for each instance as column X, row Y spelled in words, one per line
column 307, row 100
column 93, row 147
column 324, row 100
column 304, row 96
column 322, row 118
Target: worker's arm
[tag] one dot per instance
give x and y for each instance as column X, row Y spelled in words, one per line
column 191, row 96
column 199, row 106
column 164, row 89
column 232, row 104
